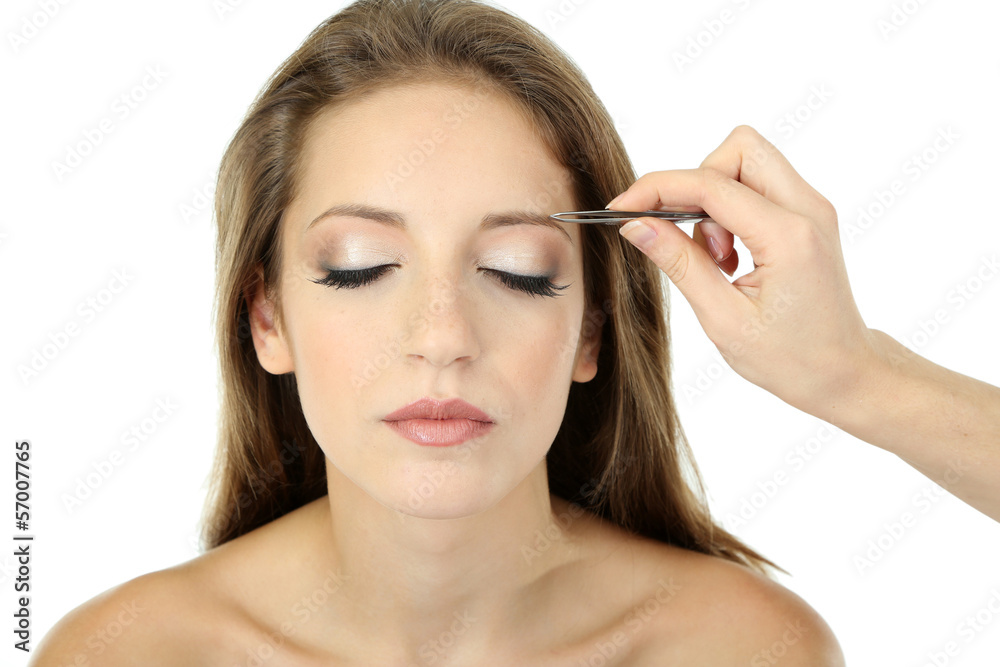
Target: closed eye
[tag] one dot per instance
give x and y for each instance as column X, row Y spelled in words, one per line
column 355, row 278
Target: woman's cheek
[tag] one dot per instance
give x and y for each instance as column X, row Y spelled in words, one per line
column 332, row 350
column 553, row 350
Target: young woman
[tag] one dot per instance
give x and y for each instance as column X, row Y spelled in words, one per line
column 448, row 435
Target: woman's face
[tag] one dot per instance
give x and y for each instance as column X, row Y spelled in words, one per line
column 445, row 319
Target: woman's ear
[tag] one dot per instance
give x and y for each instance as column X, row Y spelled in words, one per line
column 268, row 340
column 587, row 350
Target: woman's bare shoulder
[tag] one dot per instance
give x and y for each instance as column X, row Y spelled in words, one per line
column 670, row 605
column 196, row 613
column 702, row 609
column 158, row 618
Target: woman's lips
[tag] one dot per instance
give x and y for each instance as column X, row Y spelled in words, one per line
column 440, row 432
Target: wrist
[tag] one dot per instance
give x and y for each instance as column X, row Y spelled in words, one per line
column 859, row 382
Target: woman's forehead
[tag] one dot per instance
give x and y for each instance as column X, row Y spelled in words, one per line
column 418, row 147
column 410, row 129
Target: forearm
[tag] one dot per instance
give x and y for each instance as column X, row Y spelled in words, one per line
column 943, row 423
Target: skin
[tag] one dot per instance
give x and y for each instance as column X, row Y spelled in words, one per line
column 486, row 567
column 435, row 527
column 815, row 351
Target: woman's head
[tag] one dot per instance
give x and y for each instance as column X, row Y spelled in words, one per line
column 350, row 118
column 449, row 313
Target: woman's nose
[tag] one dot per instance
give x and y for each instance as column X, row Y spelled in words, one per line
column 439, row 323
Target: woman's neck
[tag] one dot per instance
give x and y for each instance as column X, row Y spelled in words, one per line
column 462, row 584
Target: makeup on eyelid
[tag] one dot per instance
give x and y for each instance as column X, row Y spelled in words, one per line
column 358, row 252
column 514, row 262
column 363, row 254
column 357, row 255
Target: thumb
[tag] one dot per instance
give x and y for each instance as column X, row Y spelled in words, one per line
column 688, row 266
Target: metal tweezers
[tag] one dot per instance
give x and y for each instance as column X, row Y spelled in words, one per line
column 608, row 217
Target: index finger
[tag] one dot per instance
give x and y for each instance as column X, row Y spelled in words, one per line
column 749, row 158
column 761, row 224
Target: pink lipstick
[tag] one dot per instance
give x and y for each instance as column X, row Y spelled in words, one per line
column 439, row 423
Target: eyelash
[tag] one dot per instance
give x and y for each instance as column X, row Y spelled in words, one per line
column 352, row 279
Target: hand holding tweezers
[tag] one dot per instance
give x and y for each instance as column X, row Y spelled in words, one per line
column 608, row 217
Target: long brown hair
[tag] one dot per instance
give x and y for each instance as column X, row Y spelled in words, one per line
column 620, row 451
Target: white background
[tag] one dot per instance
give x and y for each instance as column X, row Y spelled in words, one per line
column 886, row 97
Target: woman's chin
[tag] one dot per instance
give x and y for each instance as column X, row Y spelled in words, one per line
column 436, row 495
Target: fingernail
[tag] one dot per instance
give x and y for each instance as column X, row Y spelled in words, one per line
column 638, row 234
column 716, row 250
column 614, row 201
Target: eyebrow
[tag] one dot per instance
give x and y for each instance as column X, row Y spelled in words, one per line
column 395, row 219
